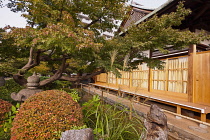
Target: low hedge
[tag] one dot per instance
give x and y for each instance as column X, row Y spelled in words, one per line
column 45, row 115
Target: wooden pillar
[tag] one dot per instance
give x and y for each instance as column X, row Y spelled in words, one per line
column 118, row 92
column 130, row 79
column 117, row 84
column 150, row 74
column 203, row 117
column 150, row 80
column 138, row 98
column 122, row 78
column 107, row 78
column 166, row 75
column 178, row 109
column 191, row 73
column 102, row 94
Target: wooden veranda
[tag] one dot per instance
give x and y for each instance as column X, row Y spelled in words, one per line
column 183, row 83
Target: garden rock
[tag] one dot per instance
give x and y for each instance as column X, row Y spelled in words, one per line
column 156, row 124
column 24, row 94
column 32, row 88
column 83, row 134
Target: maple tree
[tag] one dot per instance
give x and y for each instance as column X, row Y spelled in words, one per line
column 57, row 37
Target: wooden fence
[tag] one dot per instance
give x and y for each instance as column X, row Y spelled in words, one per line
column 186, row 77
column 173, row 78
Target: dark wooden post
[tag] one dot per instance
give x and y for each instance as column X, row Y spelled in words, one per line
column 150, row 75
column 191, row 73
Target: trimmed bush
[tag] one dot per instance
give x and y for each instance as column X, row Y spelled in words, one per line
column 45, row 115
column 4, row 108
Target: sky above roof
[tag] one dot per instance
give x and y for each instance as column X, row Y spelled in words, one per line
column 150, row 3
column 14, row 19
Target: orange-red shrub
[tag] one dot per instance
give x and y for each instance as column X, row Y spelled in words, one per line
column 45, row 114
column 4, row 108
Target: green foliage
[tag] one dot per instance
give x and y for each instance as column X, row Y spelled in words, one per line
column 9, row 87
column 74, row 94
column 78, row 127
column 58, row 84
column 158, row 32
column 5, row 130
column 109, row 123
column 11, row 57
column 5, row 107
column 43, row 68
column 57, row 31
column 44, row 114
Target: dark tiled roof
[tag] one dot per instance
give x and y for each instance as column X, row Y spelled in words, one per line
column 135, row 15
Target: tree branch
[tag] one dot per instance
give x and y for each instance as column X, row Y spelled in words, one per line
column 80, row 78
column 93, row 22
column 57, row 75
column 32, row 62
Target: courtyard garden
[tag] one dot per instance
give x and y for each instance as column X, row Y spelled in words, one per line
column 49, row 113
column 63, row 51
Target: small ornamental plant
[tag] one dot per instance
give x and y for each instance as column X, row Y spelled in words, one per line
column 45, row 115
column 4, row 108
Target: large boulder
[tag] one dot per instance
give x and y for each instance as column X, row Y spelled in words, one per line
column 156, row 124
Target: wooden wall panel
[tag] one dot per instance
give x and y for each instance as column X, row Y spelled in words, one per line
column 202, row 86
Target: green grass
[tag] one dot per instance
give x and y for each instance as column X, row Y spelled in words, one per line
column 110, row 123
